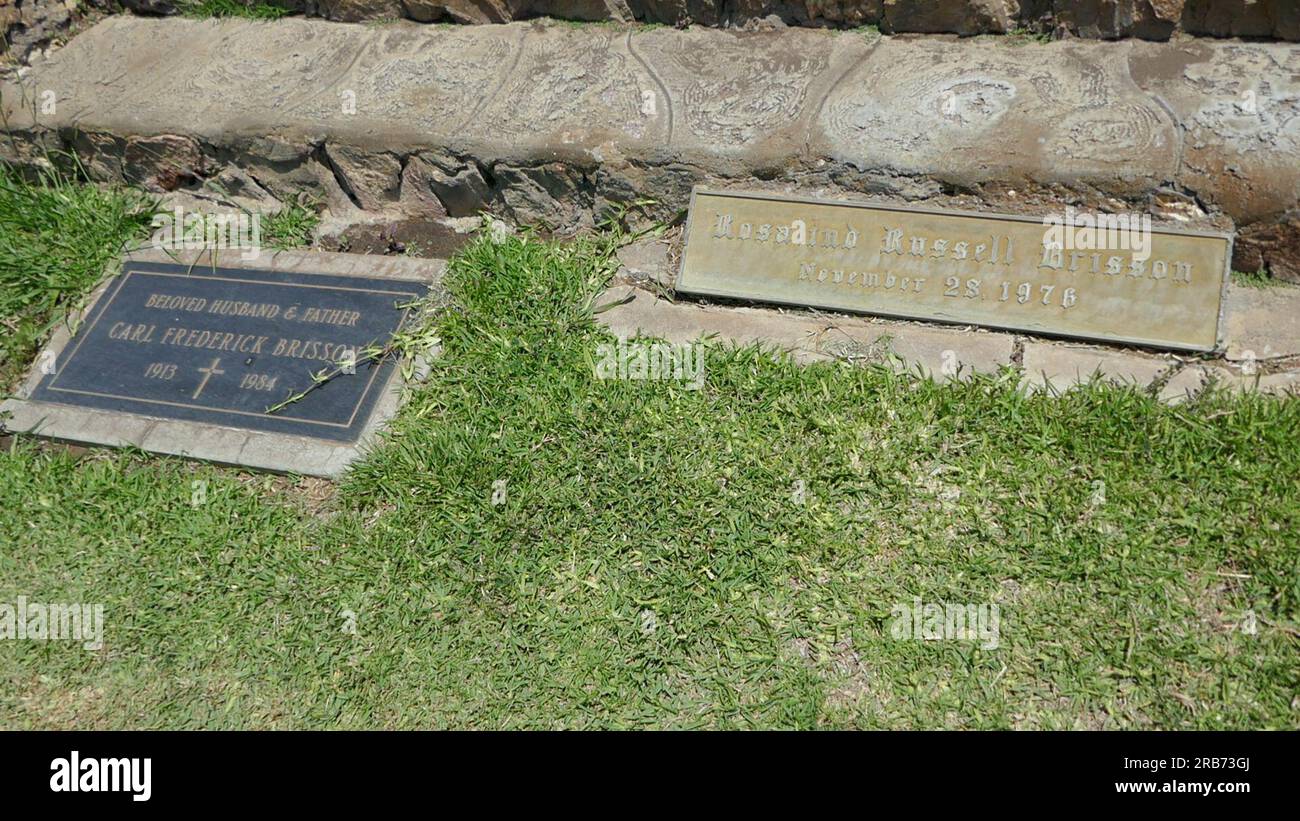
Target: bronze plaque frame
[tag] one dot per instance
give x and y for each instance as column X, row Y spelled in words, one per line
column 1181, row 309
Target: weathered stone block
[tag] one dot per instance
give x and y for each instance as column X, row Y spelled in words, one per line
column 1270, row 246
column 978, row 111
column 1231, row 100
column 678, row 12
column 418, row 196
column 462, row 190
column 163, row 163
column 615, row 10
column 1263, row 323
column 647, row 260
column 846, row 13
column 372, row 179
column 1232, row 18
column 955, row 16
column 1063, row 366
column 553, row 195
column 356, row 11
column 460, row 11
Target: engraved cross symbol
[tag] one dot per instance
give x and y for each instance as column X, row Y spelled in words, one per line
column 208, row 373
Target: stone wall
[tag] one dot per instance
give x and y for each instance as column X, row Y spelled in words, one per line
column 560, row 124
column 1106, row 19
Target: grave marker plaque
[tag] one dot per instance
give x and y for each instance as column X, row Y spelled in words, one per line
column 972, row 268
column 222, row 347
column 197, row 360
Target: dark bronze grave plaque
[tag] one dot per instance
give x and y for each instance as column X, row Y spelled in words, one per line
column 222, row 347
column 970, row 268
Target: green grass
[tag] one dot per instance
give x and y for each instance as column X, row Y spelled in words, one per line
column 1253, row 279
column 871, row 32
column 249, row 9
column 633, row 25
column 1022, row 36
column 291, row 226
column 59, row 236
column 56, row 240
column 652, row 566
